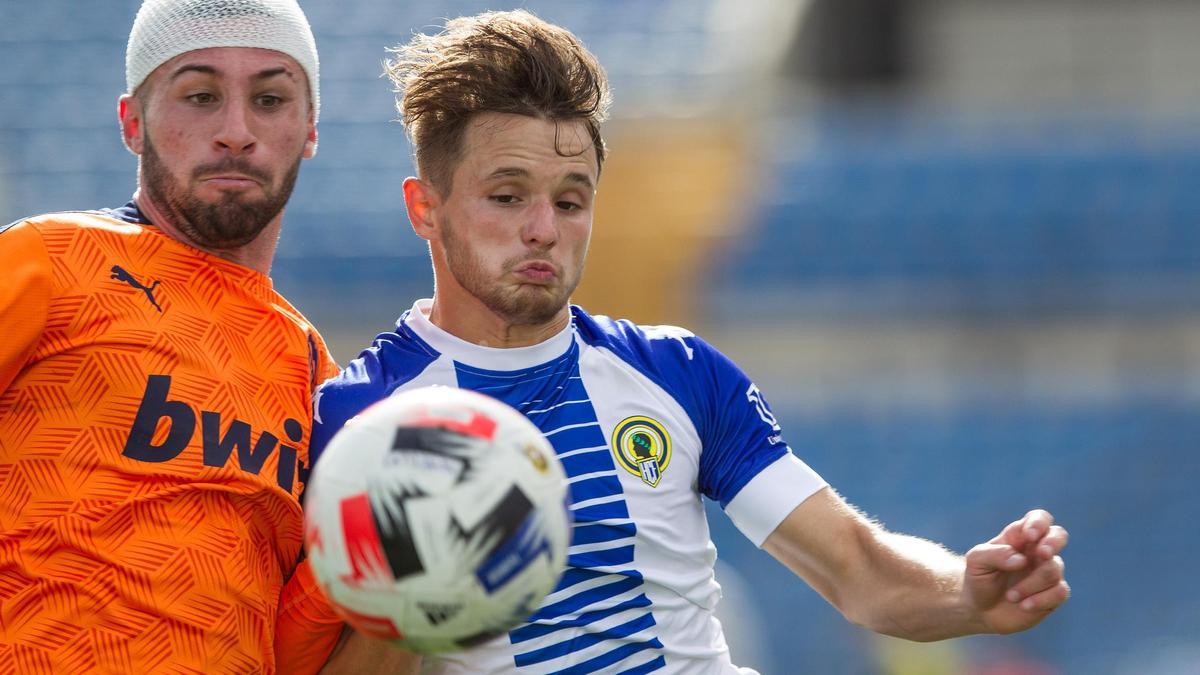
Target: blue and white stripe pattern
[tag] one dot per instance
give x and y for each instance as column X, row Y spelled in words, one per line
column 638, row 593
column 599, row 614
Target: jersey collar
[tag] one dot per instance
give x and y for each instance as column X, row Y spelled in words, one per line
column 488, row 358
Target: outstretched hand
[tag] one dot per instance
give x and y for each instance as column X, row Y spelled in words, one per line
column 1016, row 579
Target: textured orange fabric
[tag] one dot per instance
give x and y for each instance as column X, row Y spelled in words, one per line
column 24, row 298
column 154, row 431
column 308, row 628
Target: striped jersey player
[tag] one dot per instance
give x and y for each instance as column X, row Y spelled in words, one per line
column 504, row 111
column 646, row 420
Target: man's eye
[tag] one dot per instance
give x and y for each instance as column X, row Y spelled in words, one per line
column 568, row 206
column 202, row 98
column 269, row 101
column 505, row 199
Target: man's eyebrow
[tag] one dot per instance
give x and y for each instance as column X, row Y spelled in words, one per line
column 273, row 72
column 193, row 68
column 212, row 70
column 517, row 172
column 509, row 172
column 582, row 179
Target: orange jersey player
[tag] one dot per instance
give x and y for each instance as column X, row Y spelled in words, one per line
column 155, row 390
column 154, row 429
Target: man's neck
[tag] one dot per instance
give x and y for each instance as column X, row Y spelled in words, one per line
column 256, row 255
column 469, row 320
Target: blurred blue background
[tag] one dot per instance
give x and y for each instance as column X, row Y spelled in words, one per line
column 955, row 242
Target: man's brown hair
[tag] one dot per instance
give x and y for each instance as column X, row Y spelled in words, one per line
column 501, row 62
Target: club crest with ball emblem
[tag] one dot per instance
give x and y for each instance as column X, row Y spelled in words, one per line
column 643, row 446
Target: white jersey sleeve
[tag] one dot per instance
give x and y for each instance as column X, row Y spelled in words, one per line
column 745, row 465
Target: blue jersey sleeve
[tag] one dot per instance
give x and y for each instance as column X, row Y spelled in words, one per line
column 741, row 436
column 738, row 432
column 342, row 397
column 389, row 362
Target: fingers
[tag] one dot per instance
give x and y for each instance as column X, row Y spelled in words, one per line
column 1018, row 577
column 1044, row 587
column 1047, row 600
column 1036, row 523
column 1013, row 534
column 1050, row 600
column 1034, row 534
column 1030, row 528
column 1053, row 543
column 988, row 558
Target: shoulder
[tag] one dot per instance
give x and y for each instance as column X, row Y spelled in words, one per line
column 693, row 372
column 393, row 358
column 23, row 245
column 627, row 338
column 41, row 255
column 73, row 223
column 25, row 228
column 102, row 219
column 661, row 351
column 320, row 358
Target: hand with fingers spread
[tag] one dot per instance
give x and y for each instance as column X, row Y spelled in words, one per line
column 1016, row 579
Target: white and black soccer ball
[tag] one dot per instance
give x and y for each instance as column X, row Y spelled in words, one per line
column 437, row 519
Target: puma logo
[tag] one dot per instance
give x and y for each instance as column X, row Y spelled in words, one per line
column 120, row 274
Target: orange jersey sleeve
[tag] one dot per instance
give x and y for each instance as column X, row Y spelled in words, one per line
column 24, row 297
column 154, row 428
column 308, row 629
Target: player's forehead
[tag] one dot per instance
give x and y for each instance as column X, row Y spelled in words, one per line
column 230, row 63
column 496, row 144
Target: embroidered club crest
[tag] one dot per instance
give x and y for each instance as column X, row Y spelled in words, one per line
column 643, row 446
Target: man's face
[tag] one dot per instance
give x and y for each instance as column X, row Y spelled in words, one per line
column 222, row 132
column 515, row 226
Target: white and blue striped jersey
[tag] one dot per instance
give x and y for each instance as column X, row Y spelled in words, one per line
column 645, row 420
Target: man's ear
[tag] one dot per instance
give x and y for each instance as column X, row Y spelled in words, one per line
column 422, row 200
column 129, row 114
column 310, row 143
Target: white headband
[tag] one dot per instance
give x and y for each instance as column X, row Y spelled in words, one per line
column 165, row 29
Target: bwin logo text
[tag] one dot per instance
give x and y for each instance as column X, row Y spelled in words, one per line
column 217, row 448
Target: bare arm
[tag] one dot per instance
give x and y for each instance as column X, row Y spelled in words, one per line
column 358, row 654
column 915, row 589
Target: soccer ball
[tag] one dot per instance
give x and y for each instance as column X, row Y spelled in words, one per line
column 437, row 519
